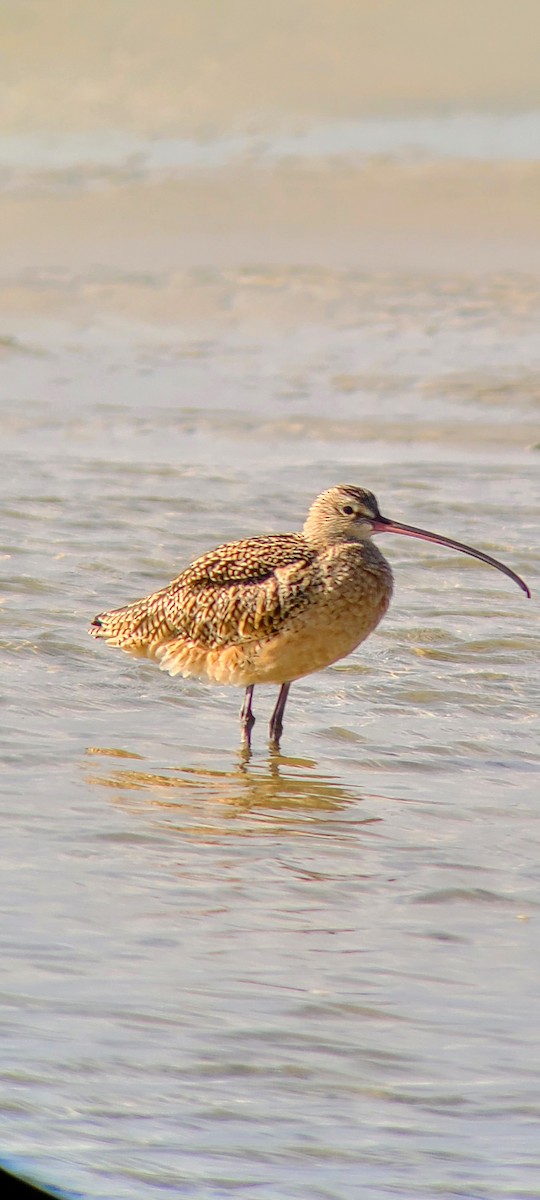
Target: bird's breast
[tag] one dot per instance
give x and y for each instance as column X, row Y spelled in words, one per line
column 348, row 593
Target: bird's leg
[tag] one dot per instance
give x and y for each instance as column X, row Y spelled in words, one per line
column 247, row 720
column 276, row 722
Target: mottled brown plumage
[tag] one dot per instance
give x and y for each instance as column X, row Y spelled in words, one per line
column 271, row 609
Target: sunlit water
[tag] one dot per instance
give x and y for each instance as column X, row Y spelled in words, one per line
column 306, row 975
column 313, row 975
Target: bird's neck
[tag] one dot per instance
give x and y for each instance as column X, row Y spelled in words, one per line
column 319, row 538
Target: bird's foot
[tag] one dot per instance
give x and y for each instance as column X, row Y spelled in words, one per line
column 275, row 736
column 247, row 720
column 276, row 722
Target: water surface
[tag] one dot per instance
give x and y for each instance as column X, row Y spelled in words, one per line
column 311, row 972
column 311, row 975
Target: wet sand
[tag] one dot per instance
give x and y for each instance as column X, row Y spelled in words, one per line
column 209, row 66
column 433, row 217
column 202, row 72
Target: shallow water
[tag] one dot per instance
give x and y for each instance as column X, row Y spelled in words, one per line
column 311, row 973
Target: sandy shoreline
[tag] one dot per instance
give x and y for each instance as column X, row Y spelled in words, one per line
column 211, row 71
column 178, row 66
column 436, row 217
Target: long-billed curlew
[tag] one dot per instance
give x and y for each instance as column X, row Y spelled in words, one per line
column 274, row 608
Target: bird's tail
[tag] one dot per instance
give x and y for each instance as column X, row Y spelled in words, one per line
column 136, row 628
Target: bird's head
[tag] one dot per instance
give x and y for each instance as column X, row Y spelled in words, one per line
column 342, row 514
column 351, row 514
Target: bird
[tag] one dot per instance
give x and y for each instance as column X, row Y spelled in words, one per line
column 271, row 609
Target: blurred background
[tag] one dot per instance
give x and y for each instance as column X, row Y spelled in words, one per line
column 367, row 135
column 250, row 250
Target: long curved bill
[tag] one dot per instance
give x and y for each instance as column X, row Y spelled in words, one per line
column 384, row 525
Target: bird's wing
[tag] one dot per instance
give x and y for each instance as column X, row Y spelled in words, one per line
column 236, row 593
column 249, row 561
column 239, row 592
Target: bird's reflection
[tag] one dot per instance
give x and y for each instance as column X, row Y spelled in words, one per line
column 279, row 783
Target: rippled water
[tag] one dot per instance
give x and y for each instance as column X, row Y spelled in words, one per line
column 313, row 974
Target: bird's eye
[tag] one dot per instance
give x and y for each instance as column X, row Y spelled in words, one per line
column 347, row 510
